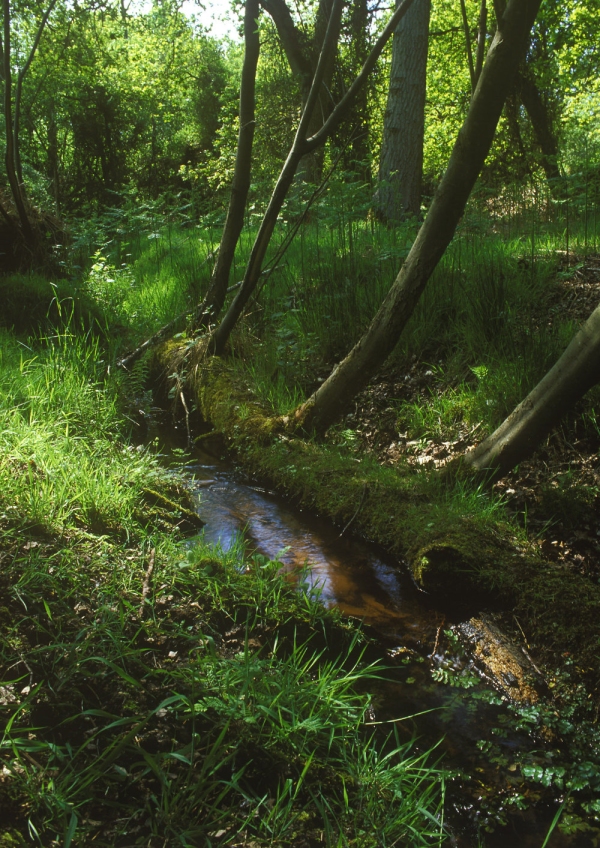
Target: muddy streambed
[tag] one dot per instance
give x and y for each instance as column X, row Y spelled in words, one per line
column 431, row 675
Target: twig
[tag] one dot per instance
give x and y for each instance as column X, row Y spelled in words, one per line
column 147, row 580
column 187, row 419
column 518, row 623
column 364, row 492
column 437, row 639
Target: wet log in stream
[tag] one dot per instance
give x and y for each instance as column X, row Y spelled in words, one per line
column 441, row 669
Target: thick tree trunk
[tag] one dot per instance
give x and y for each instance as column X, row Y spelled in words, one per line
column 401, row 161
column 469, row 153
column 217, row 291
column 577, row 370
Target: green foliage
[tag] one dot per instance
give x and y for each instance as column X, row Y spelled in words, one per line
column 210, row 697
column 115, row 99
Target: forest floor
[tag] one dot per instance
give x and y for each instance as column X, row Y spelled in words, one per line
column 141, row 694
column 570, row 453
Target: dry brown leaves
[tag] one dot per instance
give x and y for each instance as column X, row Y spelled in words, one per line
column 568, row 464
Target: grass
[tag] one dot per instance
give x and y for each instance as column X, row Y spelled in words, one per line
column 159, row 691
column 154, row 690
column 480, row 313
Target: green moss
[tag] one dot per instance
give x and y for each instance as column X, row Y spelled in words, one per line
column 458, row 543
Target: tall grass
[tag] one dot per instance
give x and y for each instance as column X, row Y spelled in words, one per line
column 155, row 690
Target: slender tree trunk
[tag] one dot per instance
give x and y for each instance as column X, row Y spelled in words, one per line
column 300, row 147
column 469, row 153
column 217, row 291
column 311, row 167
column 53, row 159
column 511, row 112
column 286, row 178
column 481, row 39
column 401, row 161
column 356, row 127
column 19, row 89
column 577, row 370
column 467, row 32
column 10, row 159
column 542, row 126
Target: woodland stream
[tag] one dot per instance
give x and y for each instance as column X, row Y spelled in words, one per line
column 426, row 662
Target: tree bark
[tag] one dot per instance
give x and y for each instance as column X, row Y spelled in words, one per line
column 300, row 147
column 311, row 167
column 19, row 90
column 577, row 370
column 467, row 32
column 481, row 39
column 469, row 153
column 298, row 150
column 401, row 161
column 234, row 222
column 356, row 127
column 542, row 126
column 10, row 158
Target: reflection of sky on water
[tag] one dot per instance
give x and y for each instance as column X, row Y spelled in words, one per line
column 345, row 571
column 353, row 575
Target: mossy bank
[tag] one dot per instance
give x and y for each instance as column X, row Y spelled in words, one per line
column 459, row 544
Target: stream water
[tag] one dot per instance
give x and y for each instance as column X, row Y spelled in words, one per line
column 365, row 583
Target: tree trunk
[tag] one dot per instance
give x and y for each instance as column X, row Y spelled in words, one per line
column 217, row 291
column 298, row 150
column 542, row 126
column 311, row 167
column 300, row 147
column 577, row 370
column 356, row 127
column 469, row 153
column 10, row 158
column 401, row 161
column 302, row 57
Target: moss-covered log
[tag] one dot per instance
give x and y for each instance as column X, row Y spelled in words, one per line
column 464, row 562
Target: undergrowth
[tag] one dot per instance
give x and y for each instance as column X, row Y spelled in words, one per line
column 156, row 691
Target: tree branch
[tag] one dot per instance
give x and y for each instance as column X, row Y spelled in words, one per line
column 481, row 35
column 336, row 117
column 291, row 39
column 19, row 89
column 463, row 10
column 299, row 148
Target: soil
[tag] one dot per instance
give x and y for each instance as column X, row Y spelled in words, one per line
column 555, row 495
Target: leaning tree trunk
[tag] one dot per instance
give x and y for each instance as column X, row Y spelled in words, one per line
column 401, row 160
column 577, row 370
column 541, row 122
column 469, row 153
column 234, row 222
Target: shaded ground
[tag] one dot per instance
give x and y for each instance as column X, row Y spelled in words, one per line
column 555, row 494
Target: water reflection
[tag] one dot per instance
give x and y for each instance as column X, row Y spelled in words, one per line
column 360, row 580
column 347, row 572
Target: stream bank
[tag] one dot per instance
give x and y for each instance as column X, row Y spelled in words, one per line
column 455, row 700
column 464, row 562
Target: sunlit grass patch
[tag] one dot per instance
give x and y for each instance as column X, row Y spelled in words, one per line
column 154, row 689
